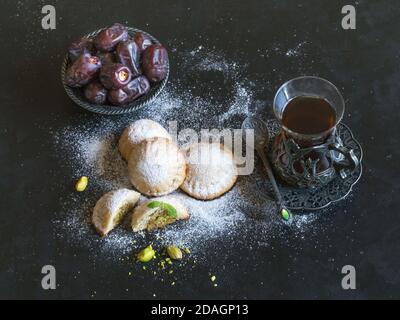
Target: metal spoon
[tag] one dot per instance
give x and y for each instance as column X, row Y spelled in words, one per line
column 261, row 139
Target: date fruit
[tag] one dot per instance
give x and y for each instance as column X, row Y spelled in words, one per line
column 115, row 76
column 128, row 54
column 95, row 93
column 155, row 62
column 142, row 41
column 118, row 97
column 80, row 47
column 106, row 57
column 137, row 87
column 107, row 39
column 82, row 71
column 133, row 90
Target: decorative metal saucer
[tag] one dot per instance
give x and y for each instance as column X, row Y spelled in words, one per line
column 77, row 96
column 336, row 190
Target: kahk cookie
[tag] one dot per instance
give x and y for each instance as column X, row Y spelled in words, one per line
column 111, row 208
column 211, row 171
column 156, row 167
column 139, row 131
column 158, row 213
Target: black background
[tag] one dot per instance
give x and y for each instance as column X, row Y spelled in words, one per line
column 364, row 63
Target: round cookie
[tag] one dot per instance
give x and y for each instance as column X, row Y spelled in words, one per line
column 139, row 131
column 156, row 167
column 211, row 171
column 111, row 208
column 155, row 217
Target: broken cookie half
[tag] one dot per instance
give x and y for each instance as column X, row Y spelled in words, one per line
column 111, row 208
column 158, row 213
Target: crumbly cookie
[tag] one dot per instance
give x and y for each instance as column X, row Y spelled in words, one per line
column 156, row 167
column 137, row 132
column 155, row 217
column 111, row 208
column 211, row 171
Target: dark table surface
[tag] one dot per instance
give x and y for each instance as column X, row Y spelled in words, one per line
column 363, row 63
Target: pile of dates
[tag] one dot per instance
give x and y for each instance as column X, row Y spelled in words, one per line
column 115, row 67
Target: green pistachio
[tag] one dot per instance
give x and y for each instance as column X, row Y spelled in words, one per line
column 285, row 214
column 146, row 254
column 81, row 184
column 164, row 206
column 174, row 252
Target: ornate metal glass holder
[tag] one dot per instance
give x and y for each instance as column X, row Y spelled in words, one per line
column 318, row 169
column 313, row 166
column 309, row 199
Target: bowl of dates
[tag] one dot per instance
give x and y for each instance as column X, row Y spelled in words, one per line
column 115, row 70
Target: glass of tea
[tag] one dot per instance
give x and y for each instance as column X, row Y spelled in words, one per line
column 309, row 110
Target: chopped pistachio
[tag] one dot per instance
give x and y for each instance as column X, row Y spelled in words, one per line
column 146, row 254
column 164, row 206
column 159, row 220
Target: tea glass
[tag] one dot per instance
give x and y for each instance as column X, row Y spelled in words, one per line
column 310, row 160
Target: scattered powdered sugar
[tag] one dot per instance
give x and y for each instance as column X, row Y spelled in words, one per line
column 93, row 152
column 203, row 60
column 209, row 220
column 296, row 51
column 240, row 105
column 246, row 214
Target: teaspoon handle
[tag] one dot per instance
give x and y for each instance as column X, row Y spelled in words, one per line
column 271, row 176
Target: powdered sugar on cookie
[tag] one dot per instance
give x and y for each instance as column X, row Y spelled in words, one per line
column 156, row 167
column 211, row 171
column 111, row 207
column 139, row 131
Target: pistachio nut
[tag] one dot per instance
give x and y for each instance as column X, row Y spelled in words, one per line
column 146, row 254
column 81, row 184
column 174, row 252
column 285, row 214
